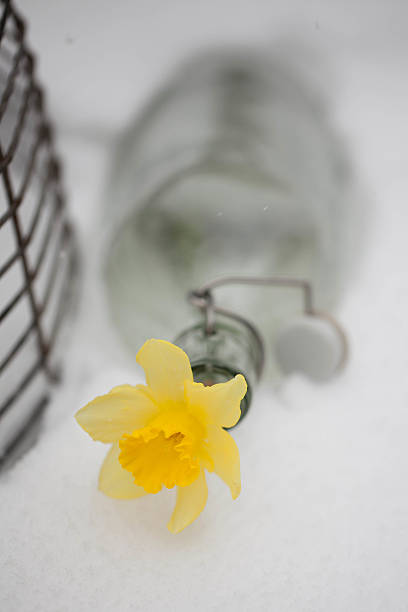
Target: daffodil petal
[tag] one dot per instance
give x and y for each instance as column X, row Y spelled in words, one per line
column 190, row 503
column 122, row 410
column 220, row 403
column 167, row 367
column 223, row 450
column 116, row 482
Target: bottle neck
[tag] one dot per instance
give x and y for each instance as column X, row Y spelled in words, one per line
column 232, row 348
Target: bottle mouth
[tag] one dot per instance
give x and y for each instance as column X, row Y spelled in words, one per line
column 209, row 372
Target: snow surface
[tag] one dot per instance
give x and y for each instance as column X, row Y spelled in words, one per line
column 322, row 521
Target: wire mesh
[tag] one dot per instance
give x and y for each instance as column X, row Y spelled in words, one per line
column 37, row 250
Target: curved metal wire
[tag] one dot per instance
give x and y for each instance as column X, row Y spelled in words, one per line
column 203, row 299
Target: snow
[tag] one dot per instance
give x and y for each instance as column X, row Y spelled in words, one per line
column 322, row 521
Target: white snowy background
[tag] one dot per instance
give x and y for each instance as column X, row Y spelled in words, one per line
column 322, row 521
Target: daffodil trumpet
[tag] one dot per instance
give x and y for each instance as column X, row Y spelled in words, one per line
column 167, row 433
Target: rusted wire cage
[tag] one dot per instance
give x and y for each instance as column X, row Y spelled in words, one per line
column 37, row 251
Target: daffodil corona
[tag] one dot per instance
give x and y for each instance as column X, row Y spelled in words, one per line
column 167, row 433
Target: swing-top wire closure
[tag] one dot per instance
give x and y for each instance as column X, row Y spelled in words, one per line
column 203, row 299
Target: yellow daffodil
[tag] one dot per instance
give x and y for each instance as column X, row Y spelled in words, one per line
column 167, row 432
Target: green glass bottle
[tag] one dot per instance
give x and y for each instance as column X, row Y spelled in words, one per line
column 231, row 169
